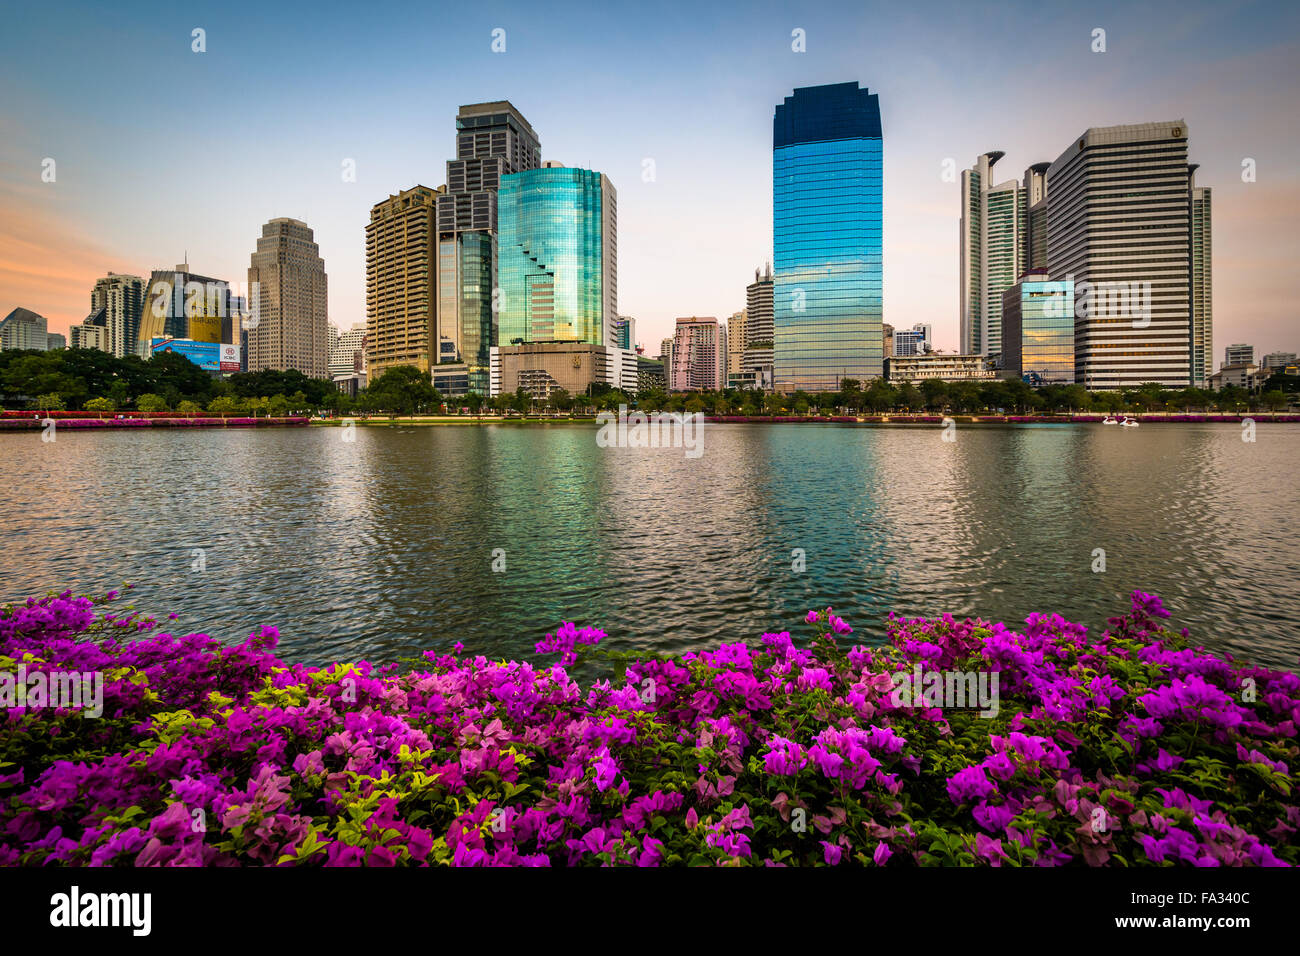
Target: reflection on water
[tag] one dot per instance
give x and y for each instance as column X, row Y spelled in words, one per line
column 384, row 546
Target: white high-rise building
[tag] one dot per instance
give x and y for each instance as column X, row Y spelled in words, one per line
column 348, row 350
column 994, row 224
column 1123, row 224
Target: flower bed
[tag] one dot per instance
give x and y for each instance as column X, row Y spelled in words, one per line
column 1130, row 747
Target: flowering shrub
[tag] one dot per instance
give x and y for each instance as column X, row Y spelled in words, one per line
column 1130, row 747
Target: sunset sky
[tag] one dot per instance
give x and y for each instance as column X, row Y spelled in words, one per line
column 161, row 152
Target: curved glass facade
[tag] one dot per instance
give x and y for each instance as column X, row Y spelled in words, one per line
column 827, row 180
column 555, row 252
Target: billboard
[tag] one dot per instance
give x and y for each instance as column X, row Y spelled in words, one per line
column 206, row 355
column 229, row 357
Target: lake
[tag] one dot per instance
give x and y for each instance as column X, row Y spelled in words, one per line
column 385, row 545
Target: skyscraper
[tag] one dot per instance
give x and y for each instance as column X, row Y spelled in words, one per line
column 1035, row 252
column 756, row 357
column 401, row 282
column 287, row 276
column 557, row 249
column 492, row 141
column 1119, row 206
column 992, row 252
column 827, row 178
column 1202, row 284
column 122, row 299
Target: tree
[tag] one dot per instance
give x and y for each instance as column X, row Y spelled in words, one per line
column 1274, row 400
column 189, row 408
column 560, row 399
column 403, row 390
column 226, row 405
column 277, row 406
column 149, row 402
column 935, row 393
column 909, row 397
column 100, row 405
column 474, row 401
column 1076, row 397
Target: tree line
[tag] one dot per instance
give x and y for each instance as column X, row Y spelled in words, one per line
column 97, row 381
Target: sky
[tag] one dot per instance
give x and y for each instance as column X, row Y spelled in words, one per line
column 163, row 154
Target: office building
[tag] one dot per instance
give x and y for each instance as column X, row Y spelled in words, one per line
column 1035, row 199
column 401, row 282
column 177, row 304
column 493, row 140
column 91, row 332
column 927, row 332
column 23, row 329
column 699, row 355
column 55, row 340
column 287, row 275
column 887, row 331
column 557, row 248
column 827, row 178
column 1119, row 225
column 993, row 240
column 1038, row 330
column 908, row 342
column 940, row 366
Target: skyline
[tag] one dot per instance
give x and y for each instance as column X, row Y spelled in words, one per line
column 703, row 116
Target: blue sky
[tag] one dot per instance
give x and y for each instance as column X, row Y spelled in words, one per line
column 161, row 150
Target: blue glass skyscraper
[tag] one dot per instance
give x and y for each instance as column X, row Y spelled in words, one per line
column 826, row 229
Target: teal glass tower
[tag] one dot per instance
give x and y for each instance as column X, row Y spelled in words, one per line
column 827, row 179
column 557, row 256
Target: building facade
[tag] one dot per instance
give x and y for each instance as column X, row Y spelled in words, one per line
column 348, row 350
column 286, row 277
column 1119, row 225
column 1239, row 354
column 122, row 297
column 493, row 140
column 1202, row 283
column 1038, row 330
column 558, row 257
column 401, row 281
column 940, row 366
column 992, row 252
column 827, row 180
column 24, row 329
column 539, row 368
column 699, row 355
column 625, row 332
column 177, row 304
column 757, row 349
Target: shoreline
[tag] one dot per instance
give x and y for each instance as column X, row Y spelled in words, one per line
column 76, row 422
